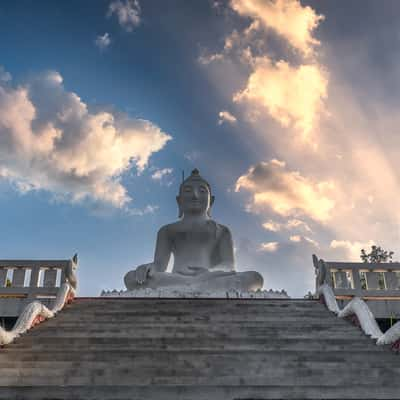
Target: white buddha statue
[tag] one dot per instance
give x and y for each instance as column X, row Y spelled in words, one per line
column 202, row 249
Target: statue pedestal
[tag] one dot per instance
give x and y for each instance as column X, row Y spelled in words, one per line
column 179, row 292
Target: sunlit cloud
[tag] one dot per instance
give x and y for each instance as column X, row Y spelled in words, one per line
column 298, row 224
column 226, row 117
column 272, row 226
column 50, row 140
column 127, row 12
column 288, row 18
column 286, row 193
column 311, row 241
column 306, row 239
column 352, row 249
column 237, row 46
column 290, row 225
column 269, row 247
column 291, row 95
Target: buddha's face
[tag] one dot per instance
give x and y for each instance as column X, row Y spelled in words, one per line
column 195, row 198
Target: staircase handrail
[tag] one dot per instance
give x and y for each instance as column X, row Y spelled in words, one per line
column 365, row 317
column 36, row 312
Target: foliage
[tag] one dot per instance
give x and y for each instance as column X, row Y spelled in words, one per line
column 377, row 255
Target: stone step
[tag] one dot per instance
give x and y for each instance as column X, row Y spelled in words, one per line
column 131, row 311
column 197, row 305
column 273, row 324
column 315, row 326
column 265, row 321
column 195, row 309
column 195, row 331
column 193, row 302
column 203, row 392
column 190, row 333
column 98, row 313
column 118, row 355
column 177, row 310
column 289, row 344
column 177, row 370
column 207, row 315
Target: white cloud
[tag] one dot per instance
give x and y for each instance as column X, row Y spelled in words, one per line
column 192, row 156
column 103, row 41
column 286, row 193
column 295, row 238
column 269, row 247
column 207, row 59
column 288, row 18
column 4, row 75
column 159, row 174
column 216, row 4
column 149, row 209
column 128, row 13
column 226, row 116
column 50, row 140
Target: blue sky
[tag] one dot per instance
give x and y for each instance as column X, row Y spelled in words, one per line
column 294, row 124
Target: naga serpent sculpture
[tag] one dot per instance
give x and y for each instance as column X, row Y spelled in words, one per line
column 36, row 312
column 357, row 310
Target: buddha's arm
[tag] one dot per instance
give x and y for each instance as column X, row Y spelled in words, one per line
column 226, row 261
column 163, row 250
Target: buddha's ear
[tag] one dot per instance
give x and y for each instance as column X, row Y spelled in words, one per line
column 212, row 198
column 180, row 211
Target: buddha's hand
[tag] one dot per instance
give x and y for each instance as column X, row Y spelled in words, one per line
column 143, row 272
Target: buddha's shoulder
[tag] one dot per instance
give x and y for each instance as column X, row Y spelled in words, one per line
column 219, row 229
column 223, row 229
column 169, row 228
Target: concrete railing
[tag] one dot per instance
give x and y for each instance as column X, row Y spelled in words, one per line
column 362, row 292
column 360, row 314
column 378, row 284
column 26, row 286
column 23, row 281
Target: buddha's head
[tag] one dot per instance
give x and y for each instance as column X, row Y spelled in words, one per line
column 195, row 196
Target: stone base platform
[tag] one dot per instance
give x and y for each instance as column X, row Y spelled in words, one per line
column 175, row 292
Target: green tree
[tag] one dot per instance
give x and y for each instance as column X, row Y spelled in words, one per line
column 377, row 255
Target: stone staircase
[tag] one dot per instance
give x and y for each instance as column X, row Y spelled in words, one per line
column 173, row 349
